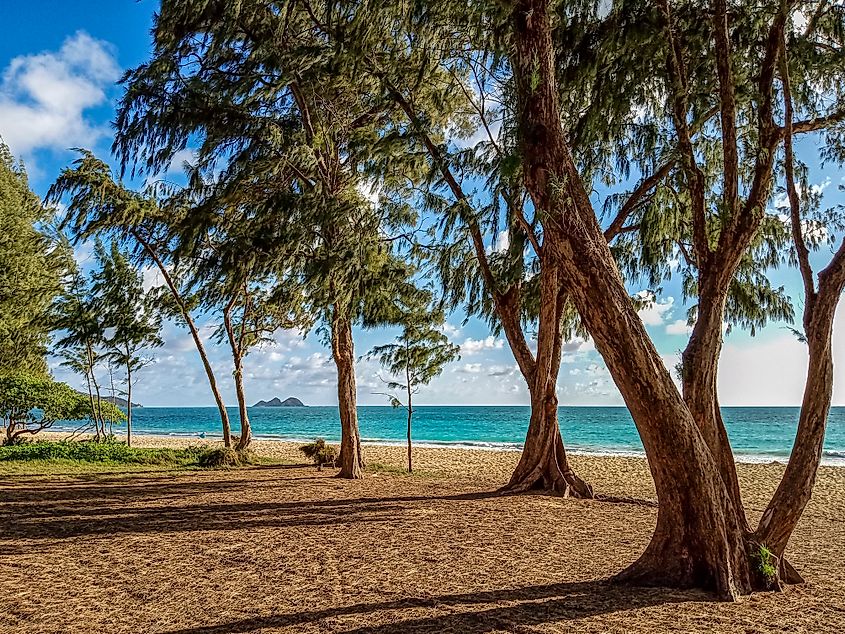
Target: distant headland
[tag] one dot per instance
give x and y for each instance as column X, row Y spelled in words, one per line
column 120, row 402
column 277, row 402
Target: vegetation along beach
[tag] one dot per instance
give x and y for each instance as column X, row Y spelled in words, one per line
column 414, row 316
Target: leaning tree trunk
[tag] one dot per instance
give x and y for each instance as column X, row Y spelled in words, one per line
column 343, row 350
column 543, row 463
column 195, row 335
column 410, row 393
column 795, row 489
column 101, row 432
column 700, row 380
column 699, row 540
column 820, row 302
column 91, row 401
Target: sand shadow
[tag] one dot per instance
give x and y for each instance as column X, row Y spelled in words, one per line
column 48, row 512
column 527, row 606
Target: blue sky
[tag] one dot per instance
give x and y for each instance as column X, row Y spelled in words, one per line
column 59, row 62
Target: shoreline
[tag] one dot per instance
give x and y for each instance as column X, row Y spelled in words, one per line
column 161, row 440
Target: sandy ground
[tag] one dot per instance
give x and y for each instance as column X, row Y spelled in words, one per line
column 288, row 549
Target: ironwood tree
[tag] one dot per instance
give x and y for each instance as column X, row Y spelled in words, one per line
column 278, row 133
column 129, row 315
column 417, row 356
column 729, row 75
column 99, row 206
column 438, row 98
column 33, row 263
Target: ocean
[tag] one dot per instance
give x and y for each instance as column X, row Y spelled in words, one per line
column 757, row 434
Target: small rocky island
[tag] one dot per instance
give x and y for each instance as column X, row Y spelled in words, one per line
column 277, row 402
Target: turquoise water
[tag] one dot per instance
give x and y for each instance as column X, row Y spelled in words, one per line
column 756, row 433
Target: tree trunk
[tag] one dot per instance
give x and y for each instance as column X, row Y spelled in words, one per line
column 410, row 413
column 795, row 489
column 189, row 321
column 507, row 309
column 246, row 428
column 91, row 400
column 543, row 463
column 128, row 405
column 700, row 376
column 101, row 430
column 699, row 540
column 237, row 359
column 343, row 351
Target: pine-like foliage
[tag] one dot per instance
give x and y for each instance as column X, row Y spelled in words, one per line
column 32, row 264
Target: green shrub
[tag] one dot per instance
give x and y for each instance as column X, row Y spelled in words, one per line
column 766, row 564
column 32, row 403
column 320, row 453
column 224, row 457
column 97, row 452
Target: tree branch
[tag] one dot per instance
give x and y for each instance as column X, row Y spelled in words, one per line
column 727, row 101
column 801, row 250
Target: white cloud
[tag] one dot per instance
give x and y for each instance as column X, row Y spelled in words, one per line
column 474, row 346
column 470, row 368
column 655, row 312
column 678, row 327
column 500, row 243
column 450, row 330
column 44, row 97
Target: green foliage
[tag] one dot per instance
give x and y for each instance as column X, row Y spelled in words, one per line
column 32, row 262
column 129, row 317
column 766, row 562
column 418, row 354
column 32, row 403
column 320, row 453
column 224, row 457
column 99, row 452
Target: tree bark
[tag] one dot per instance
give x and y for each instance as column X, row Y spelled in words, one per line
column 343, row 352
column 237, row 359
column 820, row 302
column 543, row 463
column 699, row 540
column 410, row 411
column 186, row 315
column 128, row 404
column 101, row 423
column 91, row 400
column 700, row 380
column 795, row 489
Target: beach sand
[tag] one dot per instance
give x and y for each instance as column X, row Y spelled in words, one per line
column 289, row 549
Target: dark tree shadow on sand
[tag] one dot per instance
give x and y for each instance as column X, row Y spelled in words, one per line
column 49, row 512
column 533, row 605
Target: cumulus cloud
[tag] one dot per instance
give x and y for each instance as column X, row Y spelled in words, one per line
column 678, row 327
column 655, row 311
column 450, row 330
column 474, row 346
column 500, row 243
column 44, row 97
column 470, row 368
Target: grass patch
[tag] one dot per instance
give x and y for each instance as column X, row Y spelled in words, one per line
column 80, row 457
column 98, row 452
column 63, row 467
